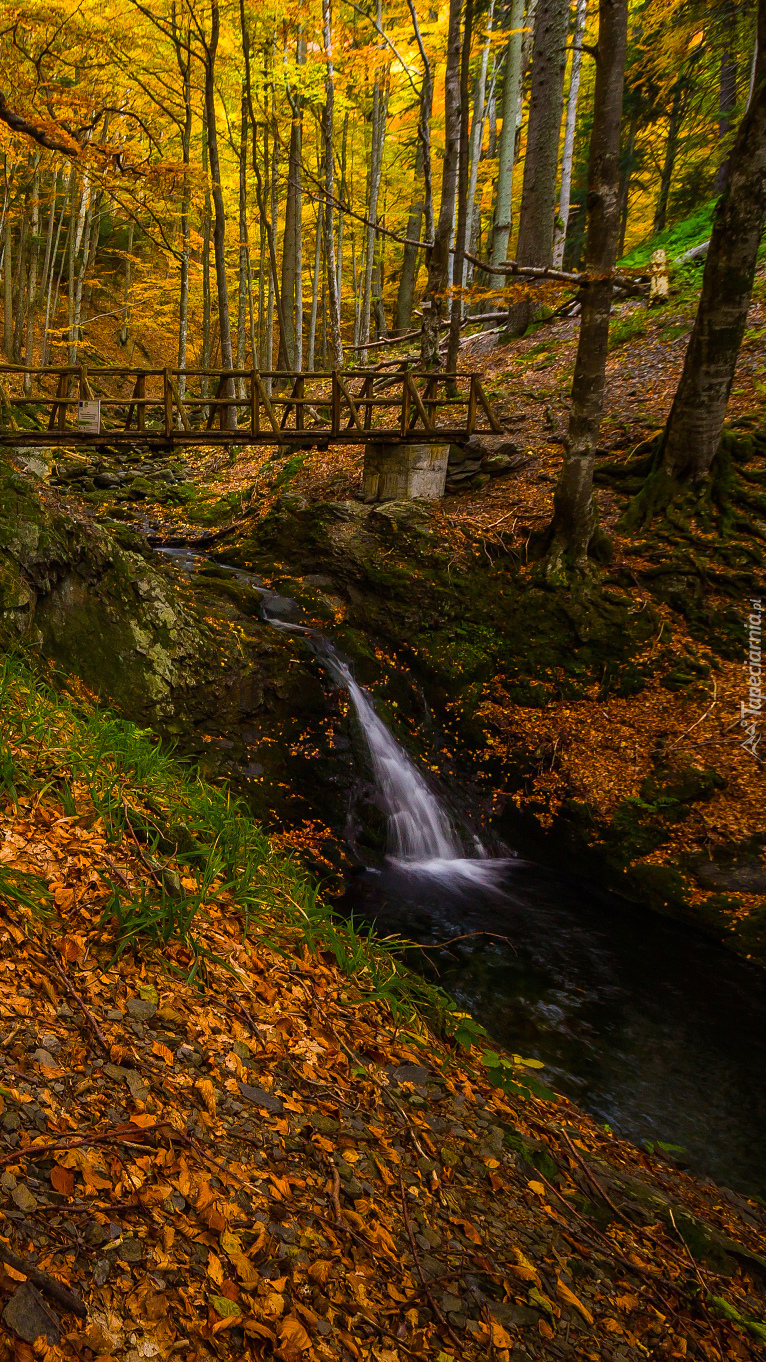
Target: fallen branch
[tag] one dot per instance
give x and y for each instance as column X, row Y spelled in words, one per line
column 48, row 1285
column 86, row 1012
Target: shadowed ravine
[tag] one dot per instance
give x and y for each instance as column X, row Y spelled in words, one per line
column 646, row 1024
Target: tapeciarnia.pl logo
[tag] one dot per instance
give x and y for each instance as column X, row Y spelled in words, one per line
column 751, row 709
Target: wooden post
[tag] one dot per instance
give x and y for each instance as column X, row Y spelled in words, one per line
column 472, row 398
column 406, row 397
column 141, row 401
column 335, row 404
column 255, row 424
column 167, row 398
column 58, row 411
column 300, row 388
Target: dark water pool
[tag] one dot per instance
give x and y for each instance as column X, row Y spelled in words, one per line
column 655, row 1031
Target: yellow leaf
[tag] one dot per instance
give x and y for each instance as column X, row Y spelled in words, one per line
column 293, row 1334
column 207, row 1092
column 569, row 1298
column 215, row 1269
column 536, row 1187
column 500, row 1337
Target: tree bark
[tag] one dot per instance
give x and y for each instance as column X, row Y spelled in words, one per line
column 506, row 151
column 477, row 129
column 379, row 115
column 669, row 161
column 626, row 173
column 206, row 301
column 458, row 267
column 329, row 215
column 574, row 513
column 538, row 195
column 34, row 260
column 219, row 219
column 727, row 94
column 422, row 203
column 565, row 192
column 693, row 431
column 8, row 290
column 438, row 267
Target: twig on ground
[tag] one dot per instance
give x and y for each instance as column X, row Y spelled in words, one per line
column 48, row 1285
column 71, row 990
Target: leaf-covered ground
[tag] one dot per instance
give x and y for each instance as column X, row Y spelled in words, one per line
column 280, row 1157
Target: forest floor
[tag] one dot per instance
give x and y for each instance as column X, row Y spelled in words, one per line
column 226, row 1131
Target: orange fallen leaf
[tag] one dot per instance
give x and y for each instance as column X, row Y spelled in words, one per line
column 62, row 1180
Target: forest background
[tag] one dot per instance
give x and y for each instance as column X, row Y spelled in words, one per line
column 259, row 187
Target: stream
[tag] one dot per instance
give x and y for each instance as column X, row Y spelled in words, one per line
column 656, row 1031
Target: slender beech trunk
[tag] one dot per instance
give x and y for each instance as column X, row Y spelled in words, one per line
column 8, row 290
column 329, row 214
column 546, row 102
column 219, row 221
column 242, row 281
column 422, row 210
column 458, row 269
column 273, row 232
column 128, row 284
column 669, row 161
column 693, row 431
column 34, row 260
column 343, row 194
column 506, row 151
column 477, row 129
column 183, row 59
column 20, row 310
column 293, row 322
column 206, row 298
column 434, row 303
column 574, row 513
column 379, row 115
column 727, row 93
column 85, row 256
column 565, row 192
column 315, row 288
column 626, row 174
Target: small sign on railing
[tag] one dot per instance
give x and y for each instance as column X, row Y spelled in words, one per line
column 89, row 417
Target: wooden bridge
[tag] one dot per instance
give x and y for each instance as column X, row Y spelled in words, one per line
column 161, row 407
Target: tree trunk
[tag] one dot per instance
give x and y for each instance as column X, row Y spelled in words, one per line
column 477, row 130
column 693, row 430
column 289, row 343
column 315, row 287
column 34, row 260
column 574, row 513
column 379, row 114
column 668, row 165
column 438, row 266
column 219, row 221
column 626, row 172
column 242, row 277
column 329, row 214
column 727, row 94
column 128, row 278
column 206, row 300
column 506, row 152
column 422, row 203
column 184, row 66
column 8, row 290
column 458, row 268
column 565, row 192
column 538, row 195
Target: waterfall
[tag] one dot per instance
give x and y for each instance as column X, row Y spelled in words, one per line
column 419, row 828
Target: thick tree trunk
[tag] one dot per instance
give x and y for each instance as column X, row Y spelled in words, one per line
column 693, row 431
column 565, row 192
column 206, row 300
column 219, row 220
column 574, row 514
column 329, row 214
column 538, row 195
column 434, row 302
column 506, row 151
column 458, row 267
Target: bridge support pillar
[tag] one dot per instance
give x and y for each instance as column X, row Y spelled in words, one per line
column 403, row 472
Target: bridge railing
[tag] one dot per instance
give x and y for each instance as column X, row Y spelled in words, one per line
column 78, row 404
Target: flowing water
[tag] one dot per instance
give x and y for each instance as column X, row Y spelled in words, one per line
column 649, row 1026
